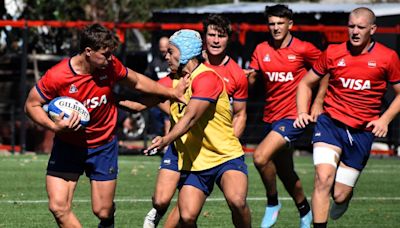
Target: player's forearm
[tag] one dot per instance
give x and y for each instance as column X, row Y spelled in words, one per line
column 146, row 85
column 36, row 113
column 323, row 86
column 183, row 126
column 251, row 76
column 239, row 124
column 303, row 97
column 141, row 105
column 392, row 110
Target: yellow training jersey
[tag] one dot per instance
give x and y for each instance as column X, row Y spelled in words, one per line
column 211, row 141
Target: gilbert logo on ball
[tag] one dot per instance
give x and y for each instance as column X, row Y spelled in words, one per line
column 68, row 105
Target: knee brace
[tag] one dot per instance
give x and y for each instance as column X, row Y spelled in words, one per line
column 347, row 176
column 325, row 155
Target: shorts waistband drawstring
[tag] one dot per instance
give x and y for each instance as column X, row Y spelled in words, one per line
column 351, row 140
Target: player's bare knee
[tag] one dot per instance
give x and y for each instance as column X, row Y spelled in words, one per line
column 160, row 204
column 187, row 219
column 323, row 180
column 103, row 212
column 260, row 160
column 59, row 209
column 237, row 203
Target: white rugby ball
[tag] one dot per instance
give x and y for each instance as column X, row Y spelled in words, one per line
column 67, row 105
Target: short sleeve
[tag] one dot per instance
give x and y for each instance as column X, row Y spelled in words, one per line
column 241, row 91
column 320, row 67
column 393, row 70
column 120, row 71
column 47, row 86
column 255, row 60
column 310, row 54
column 207, row 86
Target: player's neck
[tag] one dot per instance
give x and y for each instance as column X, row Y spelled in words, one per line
column 80, row 65
column 190, row 66
column 215, row 60
column 362, row 49
column 284, row 42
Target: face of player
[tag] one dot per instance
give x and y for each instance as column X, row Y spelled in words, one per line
column 216, row 42
column 101, row 58
column 360, row 30
column 172, row 56
column 279, row 27
column 163, row 46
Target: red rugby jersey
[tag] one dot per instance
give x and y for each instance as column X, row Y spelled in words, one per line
column 283, row 69
column 234, row 78
column 357, row 83
column 94, row 91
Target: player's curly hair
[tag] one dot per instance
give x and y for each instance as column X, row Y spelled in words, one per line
column 220, row 23
column 278, row 10
column 96, row 37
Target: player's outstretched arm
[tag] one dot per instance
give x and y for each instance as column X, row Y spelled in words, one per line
column 380, row 126
column 142, row 104
column 144, row 84
column 303, row 97
column 194, row 111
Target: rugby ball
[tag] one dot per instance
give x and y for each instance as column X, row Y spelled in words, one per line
column 67, row 105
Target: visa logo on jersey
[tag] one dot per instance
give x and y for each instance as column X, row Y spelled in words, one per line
column 356, row 84
column 280, row 76
column 95, row 102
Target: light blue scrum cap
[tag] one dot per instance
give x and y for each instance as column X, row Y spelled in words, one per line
column 188, row 42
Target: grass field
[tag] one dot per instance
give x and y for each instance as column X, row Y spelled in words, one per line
column 23, row 200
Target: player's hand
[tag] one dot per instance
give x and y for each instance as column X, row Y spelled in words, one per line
column 156, row 144
column 65, row 125
column 302, row 120
column 247, row 72
column 180, row 89
column 380, row 127
column 316, row 110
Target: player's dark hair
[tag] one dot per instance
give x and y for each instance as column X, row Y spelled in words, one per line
column 96, row 37
column 278, row 10
column 220, row 23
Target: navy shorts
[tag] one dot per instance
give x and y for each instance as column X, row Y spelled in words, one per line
column 204, row 180
column 170, row 159
column 355, row 143
column 99, row 163
column 285, row 128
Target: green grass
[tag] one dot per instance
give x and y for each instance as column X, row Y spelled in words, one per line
column 23, row 199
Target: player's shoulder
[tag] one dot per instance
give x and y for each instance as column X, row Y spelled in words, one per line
column 262, row 46
column 301, row 45
column 382, row 48
column 337, row 47
column 232, row 64
column 61, row 68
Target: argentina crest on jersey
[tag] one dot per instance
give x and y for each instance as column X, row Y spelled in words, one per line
column 371, row 63
column 266, row 58
column 73, row 89
column 291, row 58
column 341, row 63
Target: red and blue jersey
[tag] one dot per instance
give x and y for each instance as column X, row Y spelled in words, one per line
column 357, row 83
column 283, row 69
column 94, row 91
column 234, row 78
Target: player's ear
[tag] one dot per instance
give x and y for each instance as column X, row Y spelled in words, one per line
column 290, row 24
column 373, row 29
column 88, row 51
